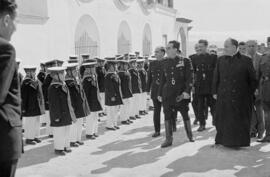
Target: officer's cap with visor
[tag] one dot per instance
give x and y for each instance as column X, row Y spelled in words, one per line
column 71, row 66
column 99, row 59
column 54, row 63
column 57, row 70
column 121, row 59
column 111, row 60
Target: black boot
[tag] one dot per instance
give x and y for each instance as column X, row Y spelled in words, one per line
column 169, row 134
column 174, row 128
column 188, row 130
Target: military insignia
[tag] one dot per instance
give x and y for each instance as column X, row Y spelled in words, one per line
column 180, row 64
column 173, row 81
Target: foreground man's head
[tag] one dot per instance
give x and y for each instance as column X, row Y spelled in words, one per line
column 7, row 18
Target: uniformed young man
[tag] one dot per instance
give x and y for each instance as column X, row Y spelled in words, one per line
column 78, row 100
column 126, row 91
column 61, row 112
column 136, row 86
column 204, row 65
column 90, row 86
column 174, row 90
column 45, row 87
column 143, row 77
column 113, row 98
column 100, row 70
column 264, row 78
column 32, row 105
column 154, row 79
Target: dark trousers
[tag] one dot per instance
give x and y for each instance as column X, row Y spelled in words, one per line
column 170, row 110
column 8, row 168
column 195, row 105
column 205, row 101
column 156, row 116
column 257, row 121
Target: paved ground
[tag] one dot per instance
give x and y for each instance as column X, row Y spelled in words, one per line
column 131, row 152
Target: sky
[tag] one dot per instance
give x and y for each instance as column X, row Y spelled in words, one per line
column 216, row 20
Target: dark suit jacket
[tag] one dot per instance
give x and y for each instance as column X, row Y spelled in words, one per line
column 10, row 104
column 154, row 78
column 112, row 90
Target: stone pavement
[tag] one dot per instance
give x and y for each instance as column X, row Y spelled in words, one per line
column 132, row 152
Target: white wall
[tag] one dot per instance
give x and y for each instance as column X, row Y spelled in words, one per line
column 55, row 38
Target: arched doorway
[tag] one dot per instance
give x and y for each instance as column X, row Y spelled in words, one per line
column 181, row 37
column 124, row 38
column 147, row 40
column 87, row 37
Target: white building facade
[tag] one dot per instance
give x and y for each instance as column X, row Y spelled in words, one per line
column 54, row 29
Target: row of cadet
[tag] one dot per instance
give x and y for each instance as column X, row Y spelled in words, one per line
column 69, row 96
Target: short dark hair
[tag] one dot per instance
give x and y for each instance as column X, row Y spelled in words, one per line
column 175, row 44
column 241, row 43
column 203, row 41
column 268, row 39
column 234, row 42
column 8, row 7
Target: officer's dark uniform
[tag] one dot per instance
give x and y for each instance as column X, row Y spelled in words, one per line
column 264, row 77
column 41, row 75
column 204, row 65
column 176, row 79
column 100, row 70
column 153, row 83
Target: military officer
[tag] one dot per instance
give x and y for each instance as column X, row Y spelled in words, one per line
column 126, row 91
column 136, row 86
column 78, row 100
column 153, row 82
column 174, row 90
column 100, row 70
column 113, row 99
column 143, row 77
column 45, row 86
column 32, row 105
column 264, row 77
column 204, row 65
column 61, row 112
column 90, row 86
column 194, row 95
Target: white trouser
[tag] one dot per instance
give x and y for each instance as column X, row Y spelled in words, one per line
column 135, row 104
column 43, row 119
column 92, row 123
column 112, row 116
column 76, row 131
column 61, row 137
column 31, row 127
column 102, row 101
column 143, row 101
column 48, row 123
column 125, row 109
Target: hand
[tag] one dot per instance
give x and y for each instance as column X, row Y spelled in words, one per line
column 215, row 96
column 256, row 92
column 159, row 98
column 74, row 120
column 186, row 95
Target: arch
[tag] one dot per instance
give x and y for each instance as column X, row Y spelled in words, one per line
column 147, row 40
column 124, row 38
column 87, row 37
column 181, row 37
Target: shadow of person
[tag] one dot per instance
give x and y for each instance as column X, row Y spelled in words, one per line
column 208, row 158
column 141, row 129
column 37, row 156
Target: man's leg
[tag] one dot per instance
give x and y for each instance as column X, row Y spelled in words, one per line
column 156, row 117
column 201, row 112
column 184, row 112
column 195, row 108
column 168, row 112
column 211, row 102
column 260, row 119
column 8, row 169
